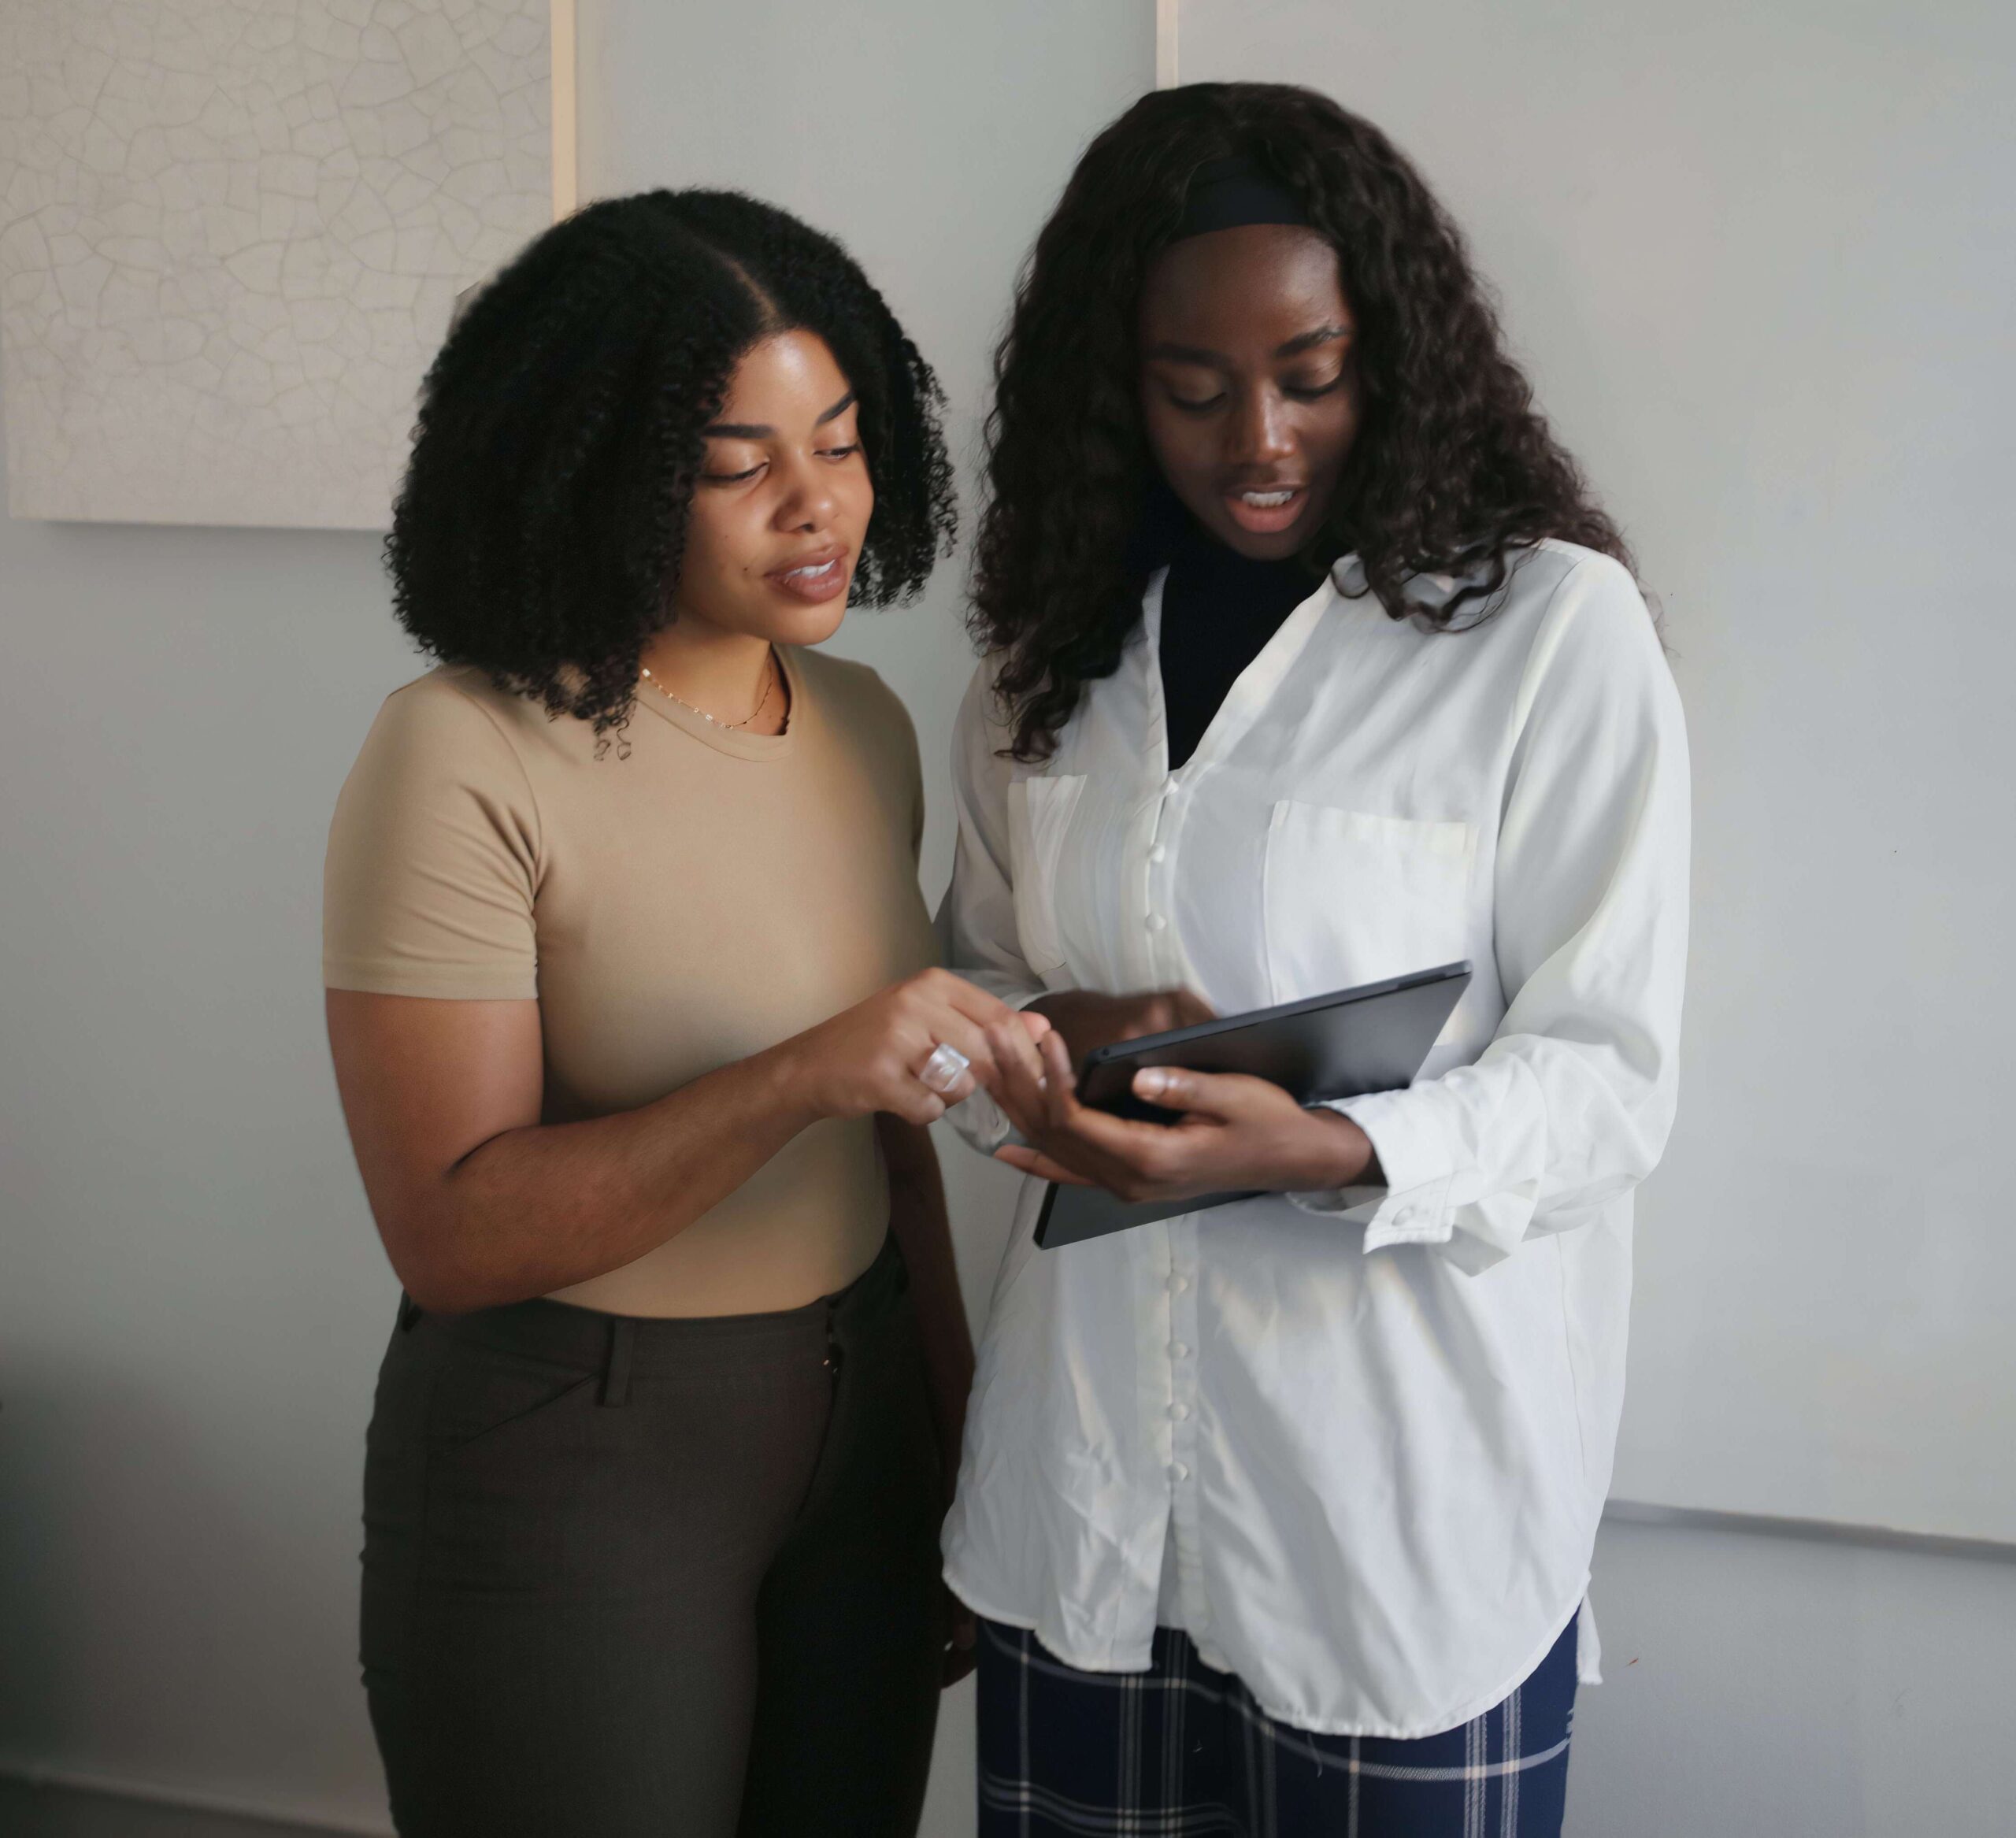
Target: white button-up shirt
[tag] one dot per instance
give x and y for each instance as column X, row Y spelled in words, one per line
column 1377, row 1424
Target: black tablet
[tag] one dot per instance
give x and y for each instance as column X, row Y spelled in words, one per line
column 1370, row 1038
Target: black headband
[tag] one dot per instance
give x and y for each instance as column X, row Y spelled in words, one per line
column 1226, row 193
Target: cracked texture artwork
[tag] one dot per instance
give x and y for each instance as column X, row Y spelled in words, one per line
column 230, row 232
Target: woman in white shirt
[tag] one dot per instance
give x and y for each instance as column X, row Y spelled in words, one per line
column 1311, row 661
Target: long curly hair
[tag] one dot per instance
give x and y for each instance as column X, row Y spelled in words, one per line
column 1452, row 469
column 539, row 532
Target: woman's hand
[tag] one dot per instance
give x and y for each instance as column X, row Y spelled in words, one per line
column 1236, row 1133
column 1087, row 1020
column 867, row 1057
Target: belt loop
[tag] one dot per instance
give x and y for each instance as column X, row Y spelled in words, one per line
column 615, row 1374
column 409, row 1312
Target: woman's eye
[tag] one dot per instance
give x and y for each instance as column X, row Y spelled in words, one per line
column 731, row 478
column 1309, row 391
column 839, row 453
column 1196, row 405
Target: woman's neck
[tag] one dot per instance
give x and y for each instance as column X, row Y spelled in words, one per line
column 726, row 675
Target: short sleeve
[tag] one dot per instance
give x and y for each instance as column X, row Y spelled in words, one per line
column 434, row 856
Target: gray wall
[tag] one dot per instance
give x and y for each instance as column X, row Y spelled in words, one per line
column 191, row 1299
column 1775, row 1687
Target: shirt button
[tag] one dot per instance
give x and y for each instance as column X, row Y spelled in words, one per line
column 1179, row 1411
column 1158, row 854
column 1178, row 1284
column 1169, row 786
column 1178, row 1472
column 1156, row 922
column 1178, row 1351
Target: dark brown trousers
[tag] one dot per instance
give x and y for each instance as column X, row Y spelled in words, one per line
column 631, row 1578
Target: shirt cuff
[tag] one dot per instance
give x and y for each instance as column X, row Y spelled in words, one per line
column 1414, row 1207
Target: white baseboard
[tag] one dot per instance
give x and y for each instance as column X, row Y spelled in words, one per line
column 1631, row 1512
column 64, row 1802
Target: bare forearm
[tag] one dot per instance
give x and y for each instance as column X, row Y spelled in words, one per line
column 540, row 1208
column 479, row 1203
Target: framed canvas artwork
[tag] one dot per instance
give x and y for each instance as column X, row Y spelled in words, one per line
column 231, row 232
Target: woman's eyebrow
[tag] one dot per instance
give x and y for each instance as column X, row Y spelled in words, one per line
column 1189, row 354
column 1306, row 341
column 762, row 430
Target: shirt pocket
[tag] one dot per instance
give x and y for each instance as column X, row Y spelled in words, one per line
column 1038, row 816
column 1349, row 897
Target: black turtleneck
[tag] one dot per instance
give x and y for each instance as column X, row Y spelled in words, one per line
column 1219, row 610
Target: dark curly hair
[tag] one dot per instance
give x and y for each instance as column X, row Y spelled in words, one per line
column 539, row 532
column 1453, row 467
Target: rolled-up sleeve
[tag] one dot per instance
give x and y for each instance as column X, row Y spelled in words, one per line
column 1570, row 1105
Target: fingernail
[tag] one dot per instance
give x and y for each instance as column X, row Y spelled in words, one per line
column 1151, row 1081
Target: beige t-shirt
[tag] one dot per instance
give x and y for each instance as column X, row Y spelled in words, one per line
column 672, row 912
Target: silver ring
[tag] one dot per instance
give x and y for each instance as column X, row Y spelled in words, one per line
column 944, row 1069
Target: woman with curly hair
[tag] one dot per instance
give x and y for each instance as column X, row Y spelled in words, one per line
column 1311, row 662
column 634, row 1013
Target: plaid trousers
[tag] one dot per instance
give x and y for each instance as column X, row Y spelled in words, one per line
column 1181, row 1750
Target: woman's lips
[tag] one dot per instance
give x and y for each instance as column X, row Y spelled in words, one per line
column 819, row 579
column 1265, row 510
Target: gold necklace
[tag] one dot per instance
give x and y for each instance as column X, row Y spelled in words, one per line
column 762, row 701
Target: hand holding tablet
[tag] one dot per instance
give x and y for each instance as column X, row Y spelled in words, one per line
column 1244, row 1083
